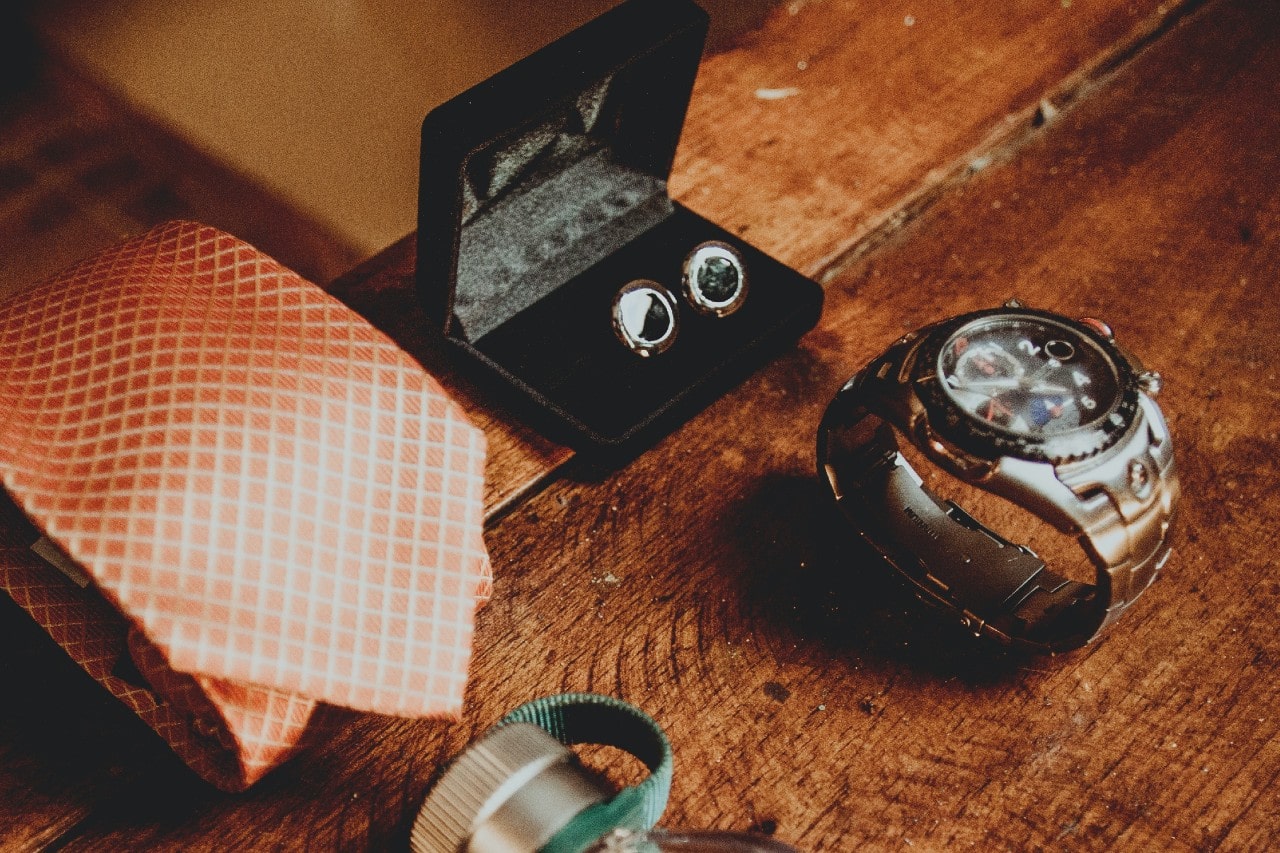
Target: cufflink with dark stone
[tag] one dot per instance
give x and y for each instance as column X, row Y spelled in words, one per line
column 714, row 279
column 644, row 317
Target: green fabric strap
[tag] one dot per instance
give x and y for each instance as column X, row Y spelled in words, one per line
column 589, row 718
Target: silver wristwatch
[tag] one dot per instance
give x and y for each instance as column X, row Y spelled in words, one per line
column 1042, row 410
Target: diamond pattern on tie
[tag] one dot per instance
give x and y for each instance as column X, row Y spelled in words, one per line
column 282, row 500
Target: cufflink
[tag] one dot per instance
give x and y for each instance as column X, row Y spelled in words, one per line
column 644, row 317
column 714, row 280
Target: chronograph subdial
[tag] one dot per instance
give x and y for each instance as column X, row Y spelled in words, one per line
column 983, row 363
column 1023, row 410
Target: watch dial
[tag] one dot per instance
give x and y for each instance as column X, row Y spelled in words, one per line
column 1027, row 376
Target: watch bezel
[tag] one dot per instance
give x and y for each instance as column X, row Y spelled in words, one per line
column 954, row 424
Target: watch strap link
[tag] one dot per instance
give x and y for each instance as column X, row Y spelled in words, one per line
column 995, row 586
column 1131, row 540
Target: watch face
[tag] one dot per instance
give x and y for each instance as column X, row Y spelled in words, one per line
column 1031, row 383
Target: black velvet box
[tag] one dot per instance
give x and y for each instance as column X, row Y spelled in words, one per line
column 543, row 191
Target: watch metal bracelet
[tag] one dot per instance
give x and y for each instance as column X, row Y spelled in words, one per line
column 1120, row 507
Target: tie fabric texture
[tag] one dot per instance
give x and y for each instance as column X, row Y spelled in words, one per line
column 259, row 502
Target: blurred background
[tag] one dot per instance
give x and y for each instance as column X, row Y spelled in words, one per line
column 292, row 124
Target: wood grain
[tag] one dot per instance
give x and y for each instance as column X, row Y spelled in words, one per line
column 806, row 694
column 845, row 120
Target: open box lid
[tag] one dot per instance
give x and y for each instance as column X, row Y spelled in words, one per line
column 534, row 175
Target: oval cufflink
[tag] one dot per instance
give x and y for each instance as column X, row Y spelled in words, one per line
column 714, row 279
column 644, row 317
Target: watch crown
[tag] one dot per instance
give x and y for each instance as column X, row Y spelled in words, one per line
column 1013, row 302
column 1150, row 382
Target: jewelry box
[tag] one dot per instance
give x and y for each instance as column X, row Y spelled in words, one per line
column 554, row 261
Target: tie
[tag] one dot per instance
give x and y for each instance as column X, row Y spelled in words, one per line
column 267, row 504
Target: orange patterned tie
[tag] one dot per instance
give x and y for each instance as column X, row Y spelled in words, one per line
column 280, row 506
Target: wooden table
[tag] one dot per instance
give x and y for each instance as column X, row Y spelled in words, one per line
column 1119, row 159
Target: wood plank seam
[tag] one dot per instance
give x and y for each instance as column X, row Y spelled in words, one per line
column 1005, row 140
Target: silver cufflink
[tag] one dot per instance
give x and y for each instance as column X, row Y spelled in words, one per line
column 714, row 280
column 644, row 317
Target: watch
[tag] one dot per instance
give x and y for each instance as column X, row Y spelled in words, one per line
column 1047, row 412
